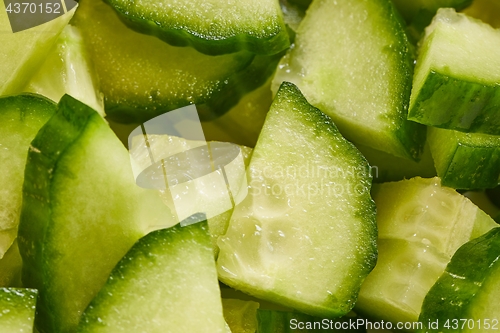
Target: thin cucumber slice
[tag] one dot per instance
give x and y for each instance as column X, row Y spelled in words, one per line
column 24, row 51
column 166, row 282
column 17, row 309
column 421, row 224
column 240, row 315
column 465, row 298
column 465, row 160
column 457, row 77
column 81, row 213
column 20, row 119
column 304, row 237
column 67, row 70
column 212, row 27
column 359, row 77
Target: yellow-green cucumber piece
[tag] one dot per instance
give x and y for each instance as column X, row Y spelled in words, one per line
column 166, row 282
column 465, row 298
column 212, row 27
column 81, row 212
column 465, row 160
column 24, row 51
column 305, row 236
column 67, row 70
column 240, row 315
column 10, row 267
column 420, row 226
column 457, row 76
column 358, row 71
column 17, row 309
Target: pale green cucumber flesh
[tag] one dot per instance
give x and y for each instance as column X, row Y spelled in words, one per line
column 305, row 234
column 17, row 312
column 81, row 212
column 166, row 282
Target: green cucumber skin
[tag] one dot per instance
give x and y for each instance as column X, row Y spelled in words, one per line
column 451, row 103
column 453, row 293
column 179, row 35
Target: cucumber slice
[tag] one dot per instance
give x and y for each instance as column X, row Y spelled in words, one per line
column 10, row 267
column 17, row 309
column 360, row 78
column 465, row 160
column 421, row 225
column 81, row 212
column 212, row 27
column 453, row 87
column 166, row 282
column 24, row 51
column 465, row 298
column 240, row 315
column 20, row 119
column 67, row 71
column 305, row 235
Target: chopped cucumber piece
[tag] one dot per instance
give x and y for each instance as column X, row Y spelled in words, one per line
column 421, row 225
column 457, row 77
column 10, row 267
column 20, row 119
column 210, row 26
column 67, row 71
column 240, row 315
column 81, row 212
column 465, row 160
column 485, row 10
column 465, row 298
column 358, row 71
column 305, row 235
column 17, row 310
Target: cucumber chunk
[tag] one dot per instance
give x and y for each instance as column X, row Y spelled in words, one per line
column 421, row 224
column 166, row 282
column 465, row 298
column 465, row 160
column 212, row 27
column 17, row 309
column 81, row 212
column 240, row 315
column 457, row 77
column 359, row 77
column 304, row 237
column 10, row 267
column 20, row 119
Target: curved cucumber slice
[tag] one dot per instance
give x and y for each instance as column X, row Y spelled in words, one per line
column 167, row 281
column 20, row 119
column 212, row 27
column 17, row 309
column 466, row 160
column 457, row 77
column 465, row 298
column 304, row 237
column 81, row 212
column 360, row 78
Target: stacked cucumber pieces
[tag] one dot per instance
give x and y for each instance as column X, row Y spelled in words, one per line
column 313, row 246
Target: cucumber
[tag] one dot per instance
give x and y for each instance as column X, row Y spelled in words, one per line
column 24, row 51
column 485, row 10
column 167, row 279
column 465, row 298
column 465, row 160
column 81, row 213
column 212, row 27
column 20, row 119
column 17, row 309
column 67, row 71
column 10, row 267
column 452, row 86
column 421, row 224
column 304, row 237
column 240, row 315
column 360, row 78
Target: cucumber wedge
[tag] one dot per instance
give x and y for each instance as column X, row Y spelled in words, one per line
column 457, row 77
column 465, row 298
column 81, row 213
column 465, row 160
column 304, row 237
column 17, row 307
column 20, row 119
column 167, row 282
column 212, row 27
column 421, row 224
column 358, row 71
